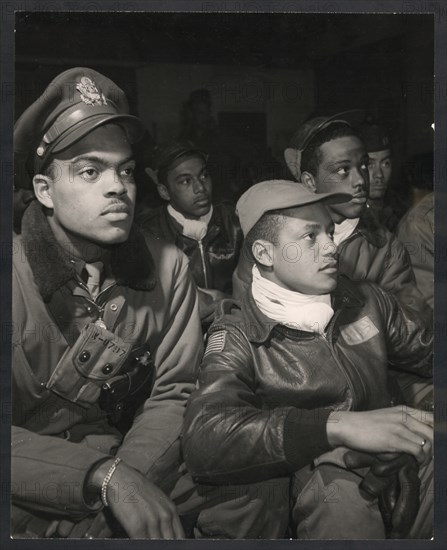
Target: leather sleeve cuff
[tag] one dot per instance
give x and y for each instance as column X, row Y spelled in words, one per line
column 305, row 436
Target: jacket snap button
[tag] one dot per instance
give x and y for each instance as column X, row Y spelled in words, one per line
column 84, row 356
column 113, row 307
column 107, row 369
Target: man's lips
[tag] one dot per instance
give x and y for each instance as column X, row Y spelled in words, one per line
column 116, row 208
column 202, row 200
column 361, row 198
column 330, row 266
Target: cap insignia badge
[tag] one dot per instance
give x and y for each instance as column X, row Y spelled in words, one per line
column 90, row 93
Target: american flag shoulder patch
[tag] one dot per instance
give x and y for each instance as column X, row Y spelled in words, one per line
column 216, row 342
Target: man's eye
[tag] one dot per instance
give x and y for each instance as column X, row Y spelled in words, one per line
column 343, row 171
column 386, row 164
column 185, row 181
column 309, row 237
column 364, row 166
column 204, row 176
column 90, row 174
column 128, row 172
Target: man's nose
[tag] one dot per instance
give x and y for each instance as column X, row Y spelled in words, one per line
column 198, row 186
column 377, row 172
column 359, row 179
column 114, row 185
column 328, row 247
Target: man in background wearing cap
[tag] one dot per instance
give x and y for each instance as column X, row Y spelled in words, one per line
column 210, row 235
column 326, row 154
column 107, row 336
column 293, row 384
column 380, row 165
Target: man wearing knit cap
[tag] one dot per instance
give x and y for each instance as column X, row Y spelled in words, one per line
column 293, row 383
column 107, row 336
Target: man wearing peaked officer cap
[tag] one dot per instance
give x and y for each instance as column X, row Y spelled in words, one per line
column 294, row 384
column 98, row 403
column 70, row 108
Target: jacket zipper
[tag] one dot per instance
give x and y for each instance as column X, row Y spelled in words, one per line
column 202, row 256
column 328, row 340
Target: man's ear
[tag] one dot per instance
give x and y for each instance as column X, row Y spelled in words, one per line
column 293, row 160
column 42, row 189
column 163, row 192
column 309, row 181
column 262, row 251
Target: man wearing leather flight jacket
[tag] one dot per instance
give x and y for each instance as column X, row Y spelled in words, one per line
column 327, row 154
column 293, row 387
column 209, row 234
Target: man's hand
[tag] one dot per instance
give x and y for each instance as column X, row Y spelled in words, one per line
column 391, row 430
column 142, row 509
column 394, row 480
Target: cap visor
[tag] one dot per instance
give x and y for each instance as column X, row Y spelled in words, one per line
column 327, row 198
column 334, row 198
column 134, row 129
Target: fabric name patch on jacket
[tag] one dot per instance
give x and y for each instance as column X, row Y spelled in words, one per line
column 216, row 342
column 360, row 331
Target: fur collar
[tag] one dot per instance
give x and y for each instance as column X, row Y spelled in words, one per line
column 131, row 262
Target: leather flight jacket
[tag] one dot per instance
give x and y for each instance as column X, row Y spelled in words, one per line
column 266, row 390
column 213, row 260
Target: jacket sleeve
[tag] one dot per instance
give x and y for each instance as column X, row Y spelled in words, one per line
column 416, row 232
column 409, row 341
column 48, row 473
column 230, row 435
column 398, row 278
column 152, row 444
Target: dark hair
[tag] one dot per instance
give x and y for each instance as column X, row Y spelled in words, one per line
column 162, row 174
column 266, row 228
column 311, row 156
column 49, row 169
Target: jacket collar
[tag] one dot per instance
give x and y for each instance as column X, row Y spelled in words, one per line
column 131, row 262
column 370, row 228
column 260, row 327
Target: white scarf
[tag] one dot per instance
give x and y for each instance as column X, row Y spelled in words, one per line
column 344, row 229
column 293, row 309
column 194, row 229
